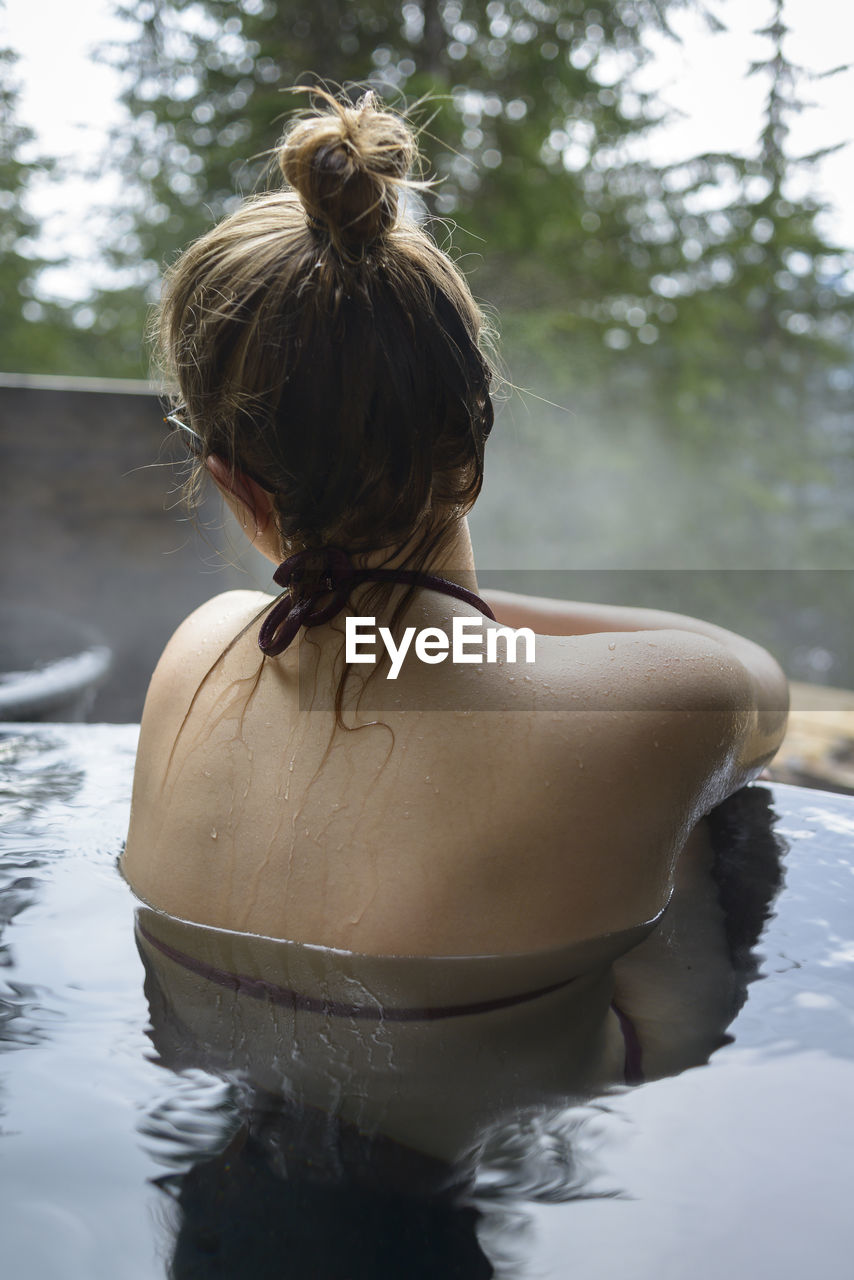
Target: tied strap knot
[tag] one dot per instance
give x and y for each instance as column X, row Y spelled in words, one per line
column 329, row 571
column 309, row 576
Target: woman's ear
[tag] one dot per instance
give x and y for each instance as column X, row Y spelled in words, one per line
column 242, row 491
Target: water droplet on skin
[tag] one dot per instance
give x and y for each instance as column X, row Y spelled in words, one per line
column 213, row 833
column 206, row 772
column 612, row 644
column 427, row 778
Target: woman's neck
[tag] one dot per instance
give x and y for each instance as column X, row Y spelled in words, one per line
column 450, row 556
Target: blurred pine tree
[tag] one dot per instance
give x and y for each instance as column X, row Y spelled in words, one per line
column 524, row 117
column 25, row 342
column 699, row 305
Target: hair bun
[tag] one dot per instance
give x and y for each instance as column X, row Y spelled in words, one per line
column 346, row 165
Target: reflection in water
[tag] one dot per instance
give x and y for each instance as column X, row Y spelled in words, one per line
column 34, row 773
column 748, row 875
column 292, row 1186
column 31, row 777
column 124, row 1160
column 323, row 1158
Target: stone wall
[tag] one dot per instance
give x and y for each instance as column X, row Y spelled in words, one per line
column 92, row 528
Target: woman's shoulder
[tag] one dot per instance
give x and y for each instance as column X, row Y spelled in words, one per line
column 220, row 619
column 663, row 670
column 201, row 639
column 677, row 709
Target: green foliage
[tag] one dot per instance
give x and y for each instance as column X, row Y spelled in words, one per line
column 523, row 124
column 529, row 123
column 19, row 266
column 759, row 292
column 207, row 82
column 732, row 344
column 41, row 336
column 700, row 304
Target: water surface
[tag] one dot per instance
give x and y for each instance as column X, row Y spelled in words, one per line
column 115, row 1165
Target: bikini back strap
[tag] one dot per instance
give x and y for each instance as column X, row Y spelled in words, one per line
column 333, row 577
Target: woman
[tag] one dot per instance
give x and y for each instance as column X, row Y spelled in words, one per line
column 326, row 355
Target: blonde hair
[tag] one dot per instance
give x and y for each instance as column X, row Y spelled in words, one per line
column 321, row 342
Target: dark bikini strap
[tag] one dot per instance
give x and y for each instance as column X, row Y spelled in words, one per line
column 286, row 997
column 336, row 576
column 633, row 1065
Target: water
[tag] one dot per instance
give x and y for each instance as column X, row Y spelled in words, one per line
column 115, row 1165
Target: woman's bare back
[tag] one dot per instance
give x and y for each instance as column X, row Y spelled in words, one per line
column 489, row 809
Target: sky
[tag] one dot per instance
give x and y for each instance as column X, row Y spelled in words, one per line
column 70, row 101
